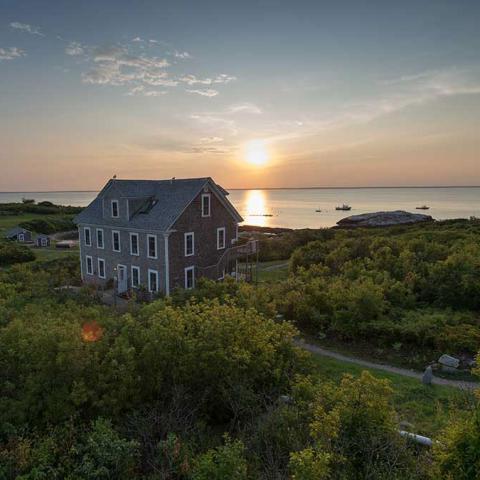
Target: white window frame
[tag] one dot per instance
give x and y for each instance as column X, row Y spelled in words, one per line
column 103, row 238
column 132, row 234
column 149, row 283
column 185, row 236
column 206, row 196
column 119, row 241
column 21, row 237
column 87, row 258
column 99, row 261
column 221, row 229
column 149, row 236
column 85, row 229
column 189, row 269
column 134, row 268
column 112, row 203
column 43, row 242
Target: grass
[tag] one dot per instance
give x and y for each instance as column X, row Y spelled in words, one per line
column 273, row 271
column 425, row 409
column 41, row 254
column 405, row 357
column 9, row 221
column 52, row 253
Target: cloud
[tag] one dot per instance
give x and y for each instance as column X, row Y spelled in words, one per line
column 193, row 80
column 11, row 53
column 182, row 55
column 142, row 91
column 74, row 49
column 116, row 66
column 245, row 108
column 24, row 27
column 131, row 66
column 207, row 92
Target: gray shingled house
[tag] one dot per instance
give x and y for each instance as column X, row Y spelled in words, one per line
column 157, row 234
column 19, row 234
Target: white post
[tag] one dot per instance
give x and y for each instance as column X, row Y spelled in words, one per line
column 167, row 266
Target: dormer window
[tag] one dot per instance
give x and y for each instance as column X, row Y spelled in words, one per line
column 115, row 211
column 205, row 205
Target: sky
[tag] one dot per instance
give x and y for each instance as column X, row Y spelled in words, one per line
column 251, row 93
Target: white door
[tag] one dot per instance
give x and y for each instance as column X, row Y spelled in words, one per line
column 122, row 279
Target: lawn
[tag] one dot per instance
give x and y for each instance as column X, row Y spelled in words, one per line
column 426, row 409
column 42, row 254
column 273, row 271
column 9, row 221
column 52, row 253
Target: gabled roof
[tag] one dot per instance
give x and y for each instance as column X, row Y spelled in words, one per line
column 15, row 231
column 163, row 202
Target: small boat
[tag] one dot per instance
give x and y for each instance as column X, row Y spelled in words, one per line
column 343, row 207
column 423, row 207
column 318, row 210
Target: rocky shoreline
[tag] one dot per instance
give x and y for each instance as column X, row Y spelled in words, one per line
column 383, row 219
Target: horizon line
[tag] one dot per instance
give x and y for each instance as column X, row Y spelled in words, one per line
column 271, row 188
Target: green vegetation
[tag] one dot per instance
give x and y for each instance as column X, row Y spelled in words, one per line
column 208, row 384
column 44, row 217
column 414, row 290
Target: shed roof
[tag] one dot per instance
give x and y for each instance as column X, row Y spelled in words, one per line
column 15, row 231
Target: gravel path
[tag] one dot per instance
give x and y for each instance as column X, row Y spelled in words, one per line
column 464, row 385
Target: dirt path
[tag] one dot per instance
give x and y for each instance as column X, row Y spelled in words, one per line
column 386, row 368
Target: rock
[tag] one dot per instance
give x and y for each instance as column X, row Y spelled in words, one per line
column 448, row 361
column 427, row 376
column 383, row 219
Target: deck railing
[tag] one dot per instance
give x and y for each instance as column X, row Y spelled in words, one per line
column 230, row 255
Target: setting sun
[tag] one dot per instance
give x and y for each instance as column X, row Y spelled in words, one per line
column 256, row 153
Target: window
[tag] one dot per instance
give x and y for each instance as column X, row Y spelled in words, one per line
column 100, row 238
column 21, row 237
column 115, row 212
column 134, row 244
column 206, row 205
column 189, row 278
column 87, row 236
column 135, row 276
column 220, row 238
column 89, row 262
column 101, row 268
column 115, row 240
column 152, row 281
column 189, row 244
column 151, row 246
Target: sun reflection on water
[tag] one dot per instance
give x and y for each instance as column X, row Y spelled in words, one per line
column 256, row 209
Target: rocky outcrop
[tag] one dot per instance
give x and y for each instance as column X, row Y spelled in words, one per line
column 383, row 219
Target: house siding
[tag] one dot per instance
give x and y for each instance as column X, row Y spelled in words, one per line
column 112, row 258
column 205, row 230
column 205, row 255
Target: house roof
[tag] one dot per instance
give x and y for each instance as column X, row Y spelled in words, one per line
column 163, row 202
column 15, row 231
column 42, row 235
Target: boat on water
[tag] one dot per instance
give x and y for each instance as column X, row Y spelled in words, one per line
column 318, row 210
column 423, row 207
column 343, row 207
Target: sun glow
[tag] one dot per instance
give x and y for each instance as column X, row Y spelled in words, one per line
column 256, row 153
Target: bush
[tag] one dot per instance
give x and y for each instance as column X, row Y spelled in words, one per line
column 11, row 252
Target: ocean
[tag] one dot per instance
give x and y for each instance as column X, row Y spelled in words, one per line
column 295, row 208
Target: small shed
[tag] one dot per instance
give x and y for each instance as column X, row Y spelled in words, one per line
column 42, row 240
column 19, row 234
